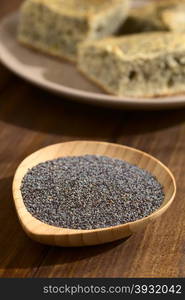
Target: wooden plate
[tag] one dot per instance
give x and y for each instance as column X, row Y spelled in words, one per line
column 52, row 235
column 62, row 78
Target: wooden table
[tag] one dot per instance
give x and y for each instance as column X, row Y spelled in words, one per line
column 30, row 119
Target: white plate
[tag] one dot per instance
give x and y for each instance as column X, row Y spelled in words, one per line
column 62, row 77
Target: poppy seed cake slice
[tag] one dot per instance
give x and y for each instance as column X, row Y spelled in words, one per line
column 58, row 26
column 156, row 16
column 141, row 65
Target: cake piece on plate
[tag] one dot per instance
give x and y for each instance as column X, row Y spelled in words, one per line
column 57, row 27
column 137, row 65
column 160, row 15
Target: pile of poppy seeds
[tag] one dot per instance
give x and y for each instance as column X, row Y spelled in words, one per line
column 88, row 192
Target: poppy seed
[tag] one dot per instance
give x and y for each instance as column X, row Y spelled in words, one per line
column 89, row 192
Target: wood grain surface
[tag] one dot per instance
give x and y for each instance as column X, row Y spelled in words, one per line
column 30, row 119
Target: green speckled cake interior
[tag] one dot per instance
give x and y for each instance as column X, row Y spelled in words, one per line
column 143, row 65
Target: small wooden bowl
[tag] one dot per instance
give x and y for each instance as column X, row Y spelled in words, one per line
column 52, row 235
